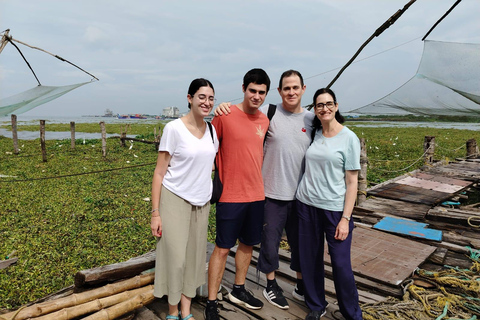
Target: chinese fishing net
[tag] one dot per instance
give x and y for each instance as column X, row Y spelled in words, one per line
column 447, row 82
column 32, row 98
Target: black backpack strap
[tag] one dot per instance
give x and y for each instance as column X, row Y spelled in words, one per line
column 211, row 130
column 271, row 111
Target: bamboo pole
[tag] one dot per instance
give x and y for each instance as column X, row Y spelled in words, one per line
column 43, row 308
column 72, row 135
column 4, row 40
column 42, row 140
column 124, row 307
column 94, row 305
column 15, row 134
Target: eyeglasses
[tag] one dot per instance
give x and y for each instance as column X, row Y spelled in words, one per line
column 204, row 98
column 329, row 104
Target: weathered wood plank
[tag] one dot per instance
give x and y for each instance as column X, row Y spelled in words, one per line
column 442, row 179
column 385, row 258
column 115, row 271
column 410, row 194
column 430, row 184
column 454, row 216
column 396, row 208
column 7, row 263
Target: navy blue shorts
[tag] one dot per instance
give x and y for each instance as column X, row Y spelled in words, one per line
column 242, row 221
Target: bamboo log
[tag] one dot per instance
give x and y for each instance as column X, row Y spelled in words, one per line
column 94, row 305
column 79, row 298
column 123, row 307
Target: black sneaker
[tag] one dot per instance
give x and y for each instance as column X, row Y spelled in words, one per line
column 274, row 295
column 244, row 297
column 316, row 315
column 211, row 313
column 297, row 294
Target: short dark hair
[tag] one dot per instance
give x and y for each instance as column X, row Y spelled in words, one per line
column 197, row 84
column 290, row 73
column 257, row 76
column 316, row 123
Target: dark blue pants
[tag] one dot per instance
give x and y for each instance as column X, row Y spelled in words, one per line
column 314, row 225
column 277, row 216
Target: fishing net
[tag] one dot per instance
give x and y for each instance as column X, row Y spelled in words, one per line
column 447, row 83
column 32, row 98
column 453, row 294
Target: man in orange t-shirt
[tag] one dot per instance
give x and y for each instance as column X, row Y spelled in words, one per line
column 239, row 212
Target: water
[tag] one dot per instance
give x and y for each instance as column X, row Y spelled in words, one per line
column 60, row 135
column 30, row 135
column 398, row 124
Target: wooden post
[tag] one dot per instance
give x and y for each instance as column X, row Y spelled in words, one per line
column 42, row 140
column 429, row 149
column 14, row 134
column 362, row 175
column 104, row 139
column 123, row 135
column 72, row 135
column 472, row 149
column 157, row 137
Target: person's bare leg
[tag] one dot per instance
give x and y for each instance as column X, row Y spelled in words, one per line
column 299, row 276
column 242, row 262
column 216, row 268
column 173, row 310
column 271, row 275
column 185, row 304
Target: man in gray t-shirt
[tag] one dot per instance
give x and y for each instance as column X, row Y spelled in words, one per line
column 288, row 137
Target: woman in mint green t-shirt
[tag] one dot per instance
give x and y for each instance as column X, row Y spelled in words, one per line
column 325, row 200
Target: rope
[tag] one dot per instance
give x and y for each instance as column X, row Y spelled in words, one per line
column 13, row 315
column 79, row 174
column 404, row 169
column 471, row 224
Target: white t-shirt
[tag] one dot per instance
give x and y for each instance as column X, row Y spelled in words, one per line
column 189, row 174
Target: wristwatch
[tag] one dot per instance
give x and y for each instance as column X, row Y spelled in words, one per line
column 346, row 217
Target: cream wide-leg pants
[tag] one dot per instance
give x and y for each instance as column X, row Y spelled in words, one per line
column 181, row 251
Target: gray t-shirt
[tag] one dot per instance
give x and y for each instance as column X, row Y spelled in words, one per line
column 289, row 136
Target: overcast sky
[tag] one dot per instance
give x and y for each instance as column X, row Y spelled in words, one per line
column 147, row 52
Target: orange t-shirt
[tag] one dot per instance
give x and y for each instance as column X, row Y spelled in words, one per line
column 240, row 155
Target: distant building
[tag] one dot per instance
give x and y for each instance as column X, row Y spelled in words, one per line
column 171, row 112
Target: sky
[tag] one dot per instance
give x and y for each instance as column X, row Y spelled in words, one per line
column 147, row 52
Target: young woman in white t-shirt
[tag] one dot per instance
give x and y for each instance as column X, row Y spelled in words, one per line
column 181, row 192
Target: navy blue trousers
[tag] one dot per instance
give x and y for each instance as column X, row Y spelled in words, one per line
column 278, row 215
column 314, row 226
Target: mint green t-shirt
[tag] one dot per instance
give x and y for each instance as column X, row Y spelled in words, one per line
column 323, row 183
